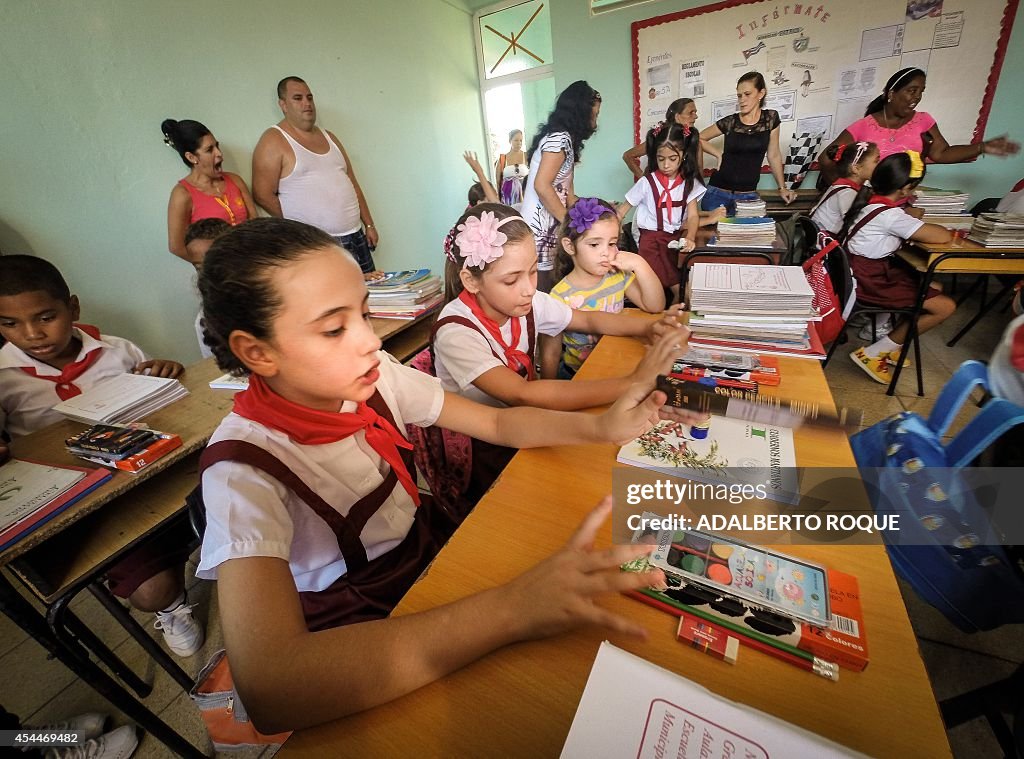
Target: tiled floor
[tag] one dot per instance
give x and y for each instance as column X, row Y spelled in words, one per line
column 40, row 690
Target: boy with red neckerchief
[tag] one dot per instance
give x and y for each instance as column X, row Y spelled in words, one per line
column 49, row 358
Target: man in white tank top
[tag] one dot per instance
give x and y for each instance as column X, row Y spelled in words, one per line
column 302, row 172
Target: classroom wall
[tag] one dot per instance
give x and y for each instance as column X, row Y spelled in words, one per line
column 87, row 176
column 597, row 48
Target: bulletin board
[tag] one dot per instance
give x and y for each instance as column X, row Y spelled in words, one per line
column 823, row 62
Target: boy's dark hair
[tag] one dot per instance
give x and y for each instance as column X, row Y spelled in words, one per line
column 206, row 229
column 563, row 261
column 891, row 173
column 235, row 280
column 24, row 274
column 475, row 194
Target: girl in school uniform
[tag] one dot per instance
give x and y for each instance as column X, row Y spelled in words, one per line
column 315, row 527
column 595, row 276
column 666, row 200
column 873, row 230
column 485, row 337
column 855, row 164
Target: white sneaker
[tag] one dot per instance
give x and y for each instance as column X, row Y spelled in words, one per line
column 89, row 725
column 884, row 322
column 183, row 635
column 117, row 744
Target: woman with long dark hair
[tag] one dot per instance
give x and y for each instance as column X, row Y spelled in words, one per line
column 893, row 122
column 556, row 149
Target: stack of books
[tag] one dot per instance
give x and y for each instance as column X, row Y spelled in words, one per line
column 129, row 449
column 404, row 294
column 746, row 232
column 940, row 202
column 753, row 309
column 998, row 230
column 751, row 209
column 122, row 399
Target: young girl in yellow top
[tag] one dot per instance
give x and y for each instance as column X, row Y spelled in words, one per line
column 305, row 580
column 594, row 276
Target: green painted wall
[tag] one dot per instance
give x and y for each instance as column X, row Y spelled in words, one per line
column 597, row 48
column 86, row 175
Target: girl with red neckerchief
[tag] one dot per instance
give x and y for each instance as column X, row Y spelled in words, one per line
column 485, row 337
column 666, row 199
column 874, row 228
column 315, row 527
column 855, row 164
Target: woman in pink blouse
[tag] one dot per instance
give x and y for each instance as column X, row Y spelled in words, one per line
column 893, row 122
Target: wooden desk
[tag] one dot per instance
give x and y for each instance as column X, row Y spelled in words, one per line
column 777, row 209
column 957, row 257
column 520, row 701
column 403, row 339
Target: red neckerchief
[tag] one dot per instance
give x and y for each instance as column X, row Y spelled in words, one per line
column 844, row 182
column 308, row 426
column 1018, row 187
column 65, row 381
column 881, row 199
column 514, row 358
column 665, row 200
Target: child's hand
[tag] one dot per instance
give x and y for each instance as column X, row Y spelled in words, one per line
column 625, row 261
column 159, row 367
column 474, row 164
column 718, row 214
column 668, row 346
column 669, row 322
column 635, row 412
column 558, row 594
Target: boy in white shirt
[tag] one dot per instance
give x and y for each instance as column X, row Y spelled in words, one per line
column 48, row 358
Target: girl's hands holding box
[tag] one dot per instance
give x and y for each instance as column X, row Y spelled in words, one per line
column 635, row 412
column 558, row 594
column 659, row 358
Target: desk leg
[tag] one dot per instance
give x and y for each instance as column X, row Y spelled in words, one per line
column 25, row 616
column 912, row 337
column 983, row 308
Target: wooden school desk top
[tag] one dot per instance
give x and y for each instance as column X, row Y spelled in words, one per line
column 520, row 700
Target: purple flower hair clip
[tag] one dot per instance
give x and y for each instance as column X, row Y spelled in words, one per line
column 585, row 212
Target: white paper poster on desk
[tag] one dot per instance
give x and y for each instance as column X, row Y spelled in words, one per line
column 848, row 49
column 632, row 708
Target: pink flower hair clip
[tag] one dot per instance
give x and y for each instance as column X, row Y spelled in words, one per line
column 480, row 240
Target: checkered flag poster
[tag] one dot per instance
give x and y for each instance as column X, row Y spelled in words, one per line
column 802, row 152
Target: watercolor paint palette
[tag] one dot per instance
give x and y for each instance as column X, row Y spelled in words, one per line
column 782, row 584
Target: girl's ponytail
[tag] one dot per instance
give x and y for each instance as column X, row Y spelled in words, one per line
column 859, row 203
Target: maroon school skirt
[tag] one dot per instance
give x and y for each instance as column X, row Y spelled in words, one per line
column 655, row 251
column 887, row 281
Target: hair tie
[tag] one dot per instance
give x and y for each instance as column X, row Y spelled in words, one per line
column 656, row 129
column 449, row 239
column 585, row 212
column 839, row 152
column 916, row 164
column 686, row 130
column 168, row 141
column 480, row 240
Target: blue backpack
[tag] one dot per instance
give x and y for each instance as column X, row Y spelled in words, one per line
column 948, row 548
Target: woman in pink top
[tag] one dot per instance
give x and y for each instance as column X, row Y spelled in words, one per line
column 893, row 122
column 207, row 191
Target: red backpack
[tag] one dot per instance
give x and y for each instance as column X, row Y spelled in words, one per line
column 828, row 274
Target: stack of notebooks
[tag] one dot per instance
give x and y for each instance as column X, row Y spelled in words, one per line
column 122, row 399
column 404, row 294
column 746, row 232
column 751, row 209
column 940, row 202
column 998, row 230
column 753, row 309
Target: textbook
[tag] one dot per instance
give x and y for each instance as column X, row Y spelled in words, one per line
column 735, row 452
column 122, row 399
column 633, row 708
column 31, row 494
column 397, row 280
column 229, row 382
